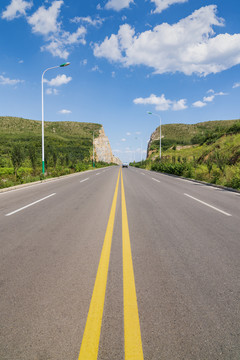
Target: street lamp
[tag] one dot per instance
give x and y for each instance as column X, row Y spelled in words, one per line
column 160, row 133
column 54, row 67
column 93, row 149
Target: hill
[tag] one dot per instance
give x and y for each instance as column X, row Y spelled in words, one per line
column 191, row 134
column 68, row 148
column 207, row 151
column 70, row 139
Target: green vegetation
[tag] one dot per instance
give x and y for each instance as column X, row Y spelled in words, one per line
column 207, row 151
column 68, row 148
column 186, row 134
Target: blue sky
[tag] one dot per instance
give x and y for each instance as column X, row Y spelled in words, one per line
column 179, row 59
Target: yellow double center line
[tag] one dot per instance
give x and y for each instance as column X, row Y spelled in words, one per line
column 132, row 333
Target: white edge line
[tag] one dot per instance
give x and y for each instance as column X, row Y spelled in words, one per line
column 204, row 203
column 143, row 174
column 24, row 207
column 185, row 180
column 156, row 180
column 84, row 180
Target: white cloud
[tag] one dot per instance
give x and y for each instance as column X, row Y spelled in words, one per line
column 164, row 4
column 88, row 20
column 51, row 91
column 189, row 46
column 44, row 21
column 74, row 38
column 65, row 112
column 83, row 62
column 59, row 80
column 209, row 98
column 221, row 94
column 179, row 105
column 118, row 4
column 6, row 81
column 123, row 140
column 59, row 43
column 96, row 69
column 161, row 103
column 56, row 48
column 16, row 9
column 236, row 85
column 199, row 104
column 128, row 133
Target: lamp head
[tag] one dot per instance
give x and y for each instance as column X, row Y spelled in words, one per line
column 65, row 64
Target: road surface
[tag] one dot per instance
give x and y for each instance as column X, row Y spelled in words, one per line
column 109, row 267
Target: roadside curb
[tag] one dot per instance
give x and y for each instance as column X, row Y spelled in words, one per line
column 16, row 187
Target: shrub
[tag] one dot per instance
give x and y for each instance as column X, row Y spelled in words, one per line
column 233, row 177
column 80, row 167
column 17, row 157
column 6, row 171
column 235, row 129
column 235, row 183
column 169, row 168
column 216, row 174
column 201, row 173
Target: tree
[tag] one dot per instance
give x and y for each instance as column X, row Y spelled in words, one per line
column 17, row 157
column 220, row 160
column 209, row 165
column 55, row 157
column 33, row 155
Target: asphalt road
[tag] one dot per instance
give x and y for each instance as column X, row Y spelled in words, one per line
column 157, row 257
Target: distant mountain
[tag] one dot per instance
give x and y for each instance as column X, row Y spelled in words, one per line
column 177, row 136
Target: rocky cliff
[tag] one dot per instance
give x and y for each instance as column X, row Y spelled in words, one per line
column 154, row 136
column 103, row 151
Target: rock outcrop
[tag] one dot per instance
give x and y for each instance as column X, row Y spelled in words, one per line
column 154, row 136
column 103, row 151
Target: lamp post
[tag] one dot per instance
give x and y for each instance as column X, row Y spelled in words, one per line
column 93, row 149
column 160, row 133
column 54, row 67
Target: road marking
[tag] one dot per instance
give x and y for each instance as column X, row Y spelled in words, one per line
column 204, row 203
column 188, row 181
column 132, row 332
column 97, row 174
column 84, row 180
column 91, row 336
column 25, row 207
column 156, row 180
column 143, row 174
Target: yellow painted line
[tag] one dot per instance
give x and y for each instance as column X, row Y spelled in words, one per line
column 132, row 332
column 91, row 336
